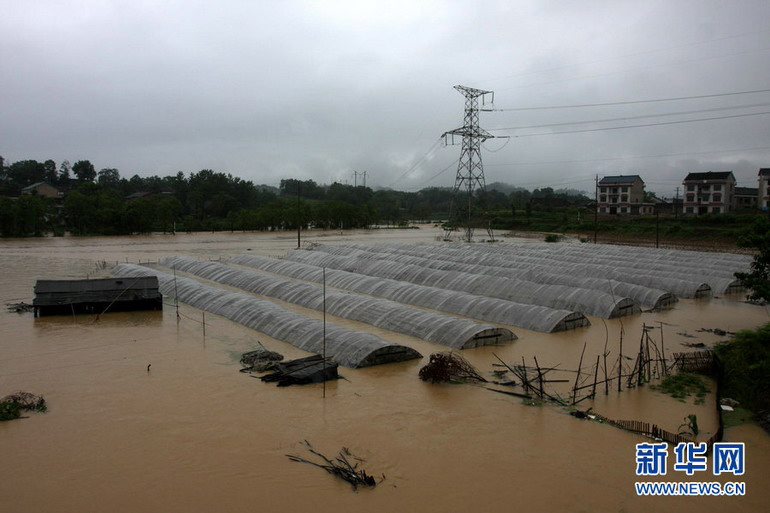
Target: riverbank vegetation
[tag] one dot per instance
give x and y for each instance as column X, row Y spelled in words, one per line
column 106, row 203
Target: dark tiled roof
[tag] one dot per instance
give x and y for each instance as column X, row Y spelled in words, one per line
column 747, row 191
column 710, row 175
column 765, row 171
column 619, row 179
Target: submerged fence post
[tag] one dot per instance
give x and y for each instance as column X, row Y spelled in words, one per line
column 176, row 296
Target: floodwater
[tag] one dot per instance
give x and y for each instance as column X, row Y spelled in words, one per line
column 195, row 435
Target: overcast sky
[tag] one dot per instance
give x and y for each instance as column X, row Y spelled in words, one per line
column 269, row 90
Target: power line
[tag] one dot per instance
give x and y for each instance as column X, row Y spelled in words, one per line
column 625, row 56
column 630, row 157
column 630, row 102
column 414, row 166
column 639, row 68
column 643, row 116
column 450, row 166
column 643, row 125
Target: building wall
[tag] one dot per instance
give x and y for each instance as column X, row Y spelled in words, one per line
column 708, row 196
column 45, row 190
column 621, row 198
column 763, row 198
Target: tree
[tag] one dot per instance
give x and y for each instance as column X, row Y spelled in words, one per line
column 51, row 175
column 84, row 171
column 758, row 279
column 64, row 172
column 108, row 177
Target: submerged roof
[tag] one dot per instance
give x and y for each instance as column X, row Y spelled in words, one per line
column 765, row 171
column 57, row 292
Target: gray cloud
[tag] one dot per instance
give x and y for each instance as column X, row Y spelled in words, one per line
column 266, row 90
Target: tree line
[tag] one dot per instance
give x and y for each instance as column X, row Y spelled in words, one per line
column 105, row 203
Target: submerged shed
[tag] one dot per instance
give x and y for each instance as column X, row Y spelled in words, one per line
column 68, row 297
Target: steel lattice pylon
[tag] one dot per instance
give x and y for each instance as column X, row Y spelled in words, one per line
column 470, row 170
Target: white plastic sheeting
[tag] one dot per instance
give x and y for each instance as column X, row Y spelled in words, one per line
column 647, row 297
column 543, row 261
column 592, row 302
column 716, row 271
column 431, row 326
column 532, row 317
column 347, row 347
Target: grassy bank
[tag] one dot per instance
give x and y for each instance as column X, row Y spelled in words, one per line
column 745, row 367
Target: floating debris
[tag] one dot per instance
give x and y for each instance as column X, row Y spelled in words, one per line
column 19, row 307
column 340, row 466
column 260, row 360
column 312, row 369
column 449, row 368
column 12, row 405
column 716, row 331
column 698, row 345
column 685, row 334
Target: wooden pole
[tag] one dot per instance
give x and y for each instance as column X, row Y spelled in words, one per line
column 606, row 381
column 596, row 373
column 204, row 323
column 577, row 377
column 596, row 209
column 540, row 379
column 176, row 296
column 324, row 346
column 663, row 350
column 620, row 361
column 526, row 379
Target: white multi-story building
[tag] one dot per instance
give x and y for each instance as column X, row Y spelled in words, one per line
column 709, row 193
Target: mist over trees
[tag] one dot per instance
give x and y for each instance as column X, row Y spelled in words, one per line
column 105, row 203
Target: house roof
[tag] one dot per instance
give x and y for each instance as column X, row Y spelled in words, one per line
column 36, row 185
column 765, row 171
column 709, row 175
column 620, row 179
column 746, row 191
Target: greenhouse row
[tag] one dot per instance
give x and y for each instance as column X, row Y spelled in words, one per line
column 715, row 271
column 435, row 327
column 531, row 317
column 647, row 297
column 347, row 347
column 550, row 264
column 594, row 302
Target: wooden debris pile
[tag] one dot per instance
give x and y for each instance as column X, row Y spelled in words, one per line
column 340, row 466
column 11, row 406
column 312, row 369
column 450, row 368
column 259, row 360
column 19, row 307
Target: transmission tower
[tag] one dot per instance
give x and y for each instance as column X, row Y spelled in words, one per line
column 356, row 174
column 470, row 170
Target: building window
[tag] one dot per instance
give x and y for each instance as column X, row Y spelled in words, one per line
column 603, row 209
column 716, row 210
column 690, row 187
column 717, row 187
column 690, row 197
column 624, row 189
column 689, row 210
column 603, row 198
column 717, row 198
column 624, row 198
column 603, row 190
column 614, row 190
column 705, row 187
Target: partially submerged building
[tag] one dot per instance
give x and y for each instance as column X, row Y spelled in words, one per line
column 69, row 297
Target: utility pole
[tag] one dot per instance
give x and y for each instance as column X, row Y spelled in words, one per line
column 657, row 226
column 676, row 202
column 470, row 170
column 299, row 215
column 596, row 208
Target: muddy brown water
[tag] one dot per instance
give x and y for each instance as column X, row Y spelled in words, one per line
column 195, row 435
